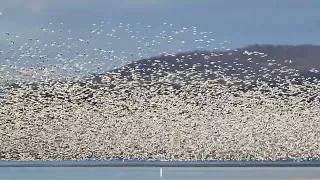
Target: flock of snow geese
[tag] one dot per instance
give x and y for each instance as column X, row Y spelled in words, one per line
column 61, row 100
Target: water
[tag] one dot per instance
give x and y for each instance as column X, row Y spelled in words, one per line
column 149, row 173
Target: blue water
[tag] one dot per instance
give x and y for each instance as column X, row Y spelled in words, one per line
column 149, row 173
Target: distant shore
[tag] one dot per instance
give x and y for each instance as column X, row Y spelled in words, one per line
column 146, row 163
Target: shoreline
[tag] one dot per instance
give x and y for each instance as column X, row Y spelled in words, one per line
column 145, row 163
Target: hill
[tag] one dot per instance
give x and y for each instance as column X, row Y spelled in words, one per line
column 247, row 66
column 232, row 62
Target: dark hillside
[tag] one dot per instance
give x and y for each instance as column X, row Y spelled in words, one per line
column 255, row 61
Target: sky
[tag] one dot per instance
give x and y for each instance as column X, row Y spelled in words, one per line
column 241, row 23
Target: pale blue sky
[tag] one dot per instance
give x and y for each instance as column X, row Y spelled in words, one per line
column 242, row 22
